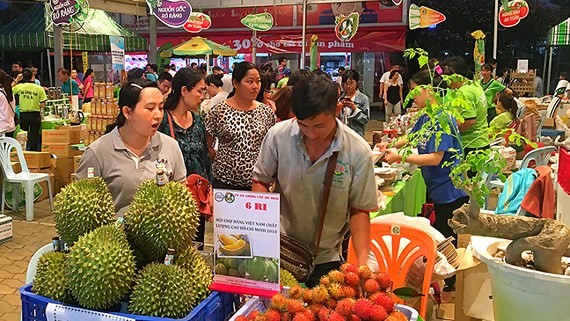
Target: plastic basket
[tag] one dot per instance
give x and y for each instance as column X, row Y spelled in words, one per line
column 256, row 303
column 216, row 307
column 564, row 169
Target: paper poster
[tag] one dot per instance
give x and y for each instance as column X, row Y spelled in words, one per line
column 173, row 13
column 346, row 26
column 514, row 13
column 117, row 52
column 258, row 22
column 246, row 242
column 59, row 312
column 522, row 65
column 423, row 17
column 197, row 22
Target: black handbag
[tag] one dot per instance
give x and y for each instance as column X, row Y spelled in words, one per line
column 297, row 257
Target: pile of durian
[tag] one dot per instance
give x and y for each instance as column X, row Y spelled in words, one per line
column 109, row 262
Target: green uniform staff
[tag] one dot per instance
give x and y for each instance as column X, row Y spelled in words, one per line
column 32, row 102
column 492, row 88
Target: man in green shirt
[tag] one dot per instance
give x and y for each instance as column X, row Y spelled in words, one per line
column 491, row 87
column 474, row 128
column 32, row 102
column 67, row 82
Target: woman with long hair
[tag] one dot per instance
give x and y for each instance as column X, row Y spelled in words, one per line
column 240, row 124
column 132, row 150
column 7, row 123
column 265, row 92
column 88, row 91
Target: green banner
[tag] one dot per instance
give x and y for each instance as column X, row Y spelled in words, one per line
column 258, row 22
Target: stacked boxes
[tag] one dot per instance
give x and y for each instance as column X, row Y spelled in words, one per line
column 59, row 142
column 37, row 162
column 104, row 109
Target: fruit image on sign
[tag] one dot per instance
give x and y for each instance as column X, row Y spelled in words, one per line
column 423, row 17
column 234, row 245
column 258, row 268
column 346, row 26
column 197, row 22
column 258, row 22
column 516, row 11
column 173, row 13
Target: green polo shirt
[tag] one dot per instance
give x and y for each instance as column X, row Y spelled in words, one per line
column 30, row 96
column 501, row 121
column 475, row 107
column 74, row 87
column 283, row 159
column 492, row 88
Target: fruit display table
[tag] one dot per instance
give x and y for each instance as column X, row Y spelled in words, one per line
column 409, row 196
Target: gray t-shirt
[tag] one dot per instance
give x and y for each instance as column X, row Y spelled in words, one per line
column 283, row 159
column 123, row 171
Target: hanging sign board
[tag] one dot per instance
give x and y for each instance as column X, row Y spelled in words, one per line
column 397, row 2
column 117, row 52
column 246, row 242
column 197, row 22
column 173, row 13
column 423, row 17
column 258, row 22
column 63, row 10
column 346, row 26
column 515, row 12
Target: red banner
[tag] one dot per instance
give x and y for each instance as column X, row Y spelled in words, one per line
column 388, row 39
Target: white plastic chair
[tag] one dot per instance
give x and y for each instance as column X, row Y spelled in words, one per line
column 7, row 145
column 550, row 113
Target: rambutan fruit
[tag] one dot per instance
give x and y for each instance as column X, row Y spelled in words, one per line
column 279, row 302
column 336, row 276
column 253, row 314
column 353, row 317
column 319, row 294
column 378, row 313
column 384, row 301
column 260, row 317
column 325, row 280
column 345, row 307
column 348, row 292
column 286, row 316
column 383, row 280
column 307, row 296
column 373, row 296
column 272, row 315
column 363, row 309
column 364, row 272
column 331, row 303
column 300, row 317
column 335, row 290
column 294, row 306
column 348, row 267
column 324, row 314
column 397, row 316
column 296, row 292
column 352, row 279
column 309, row 315
column 336, row 317
column 314, row 308
column 241, row 318
column 371, row 286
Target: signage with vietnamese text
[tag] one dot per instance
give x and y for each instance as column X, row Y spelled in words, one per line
column 246, row 242
column 63, row 10
column 514, row 13
column 258, row 22
column 173, row 13
column 197, row 22
column 117, row 52
column 423, row 17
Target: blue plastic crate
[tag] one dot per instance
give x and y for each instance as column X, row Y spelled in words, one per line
column 216, row 307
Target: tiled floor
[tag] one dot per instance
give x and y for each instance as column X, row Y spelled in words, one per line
column 30, row 236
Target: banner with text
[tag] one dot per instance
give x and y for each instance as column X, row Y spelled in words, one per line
column 246, row 242
column 117, row 52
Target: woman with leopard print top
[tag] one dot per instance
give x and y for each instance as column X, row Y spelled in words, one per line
column 240, row 124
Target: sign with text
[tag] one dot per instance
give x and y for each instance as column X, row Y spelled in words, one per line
column 63, row 10
column 423, row 17
column 258, row 22
column 246, row 242
column 197, row 22
column 514, row 13
column 173, row 13
column 117, row 52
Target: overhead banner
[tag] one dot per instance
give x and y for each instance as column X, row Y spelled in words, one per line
column 197, row 22
column 173, row 13
column 346, row 26
column 513, row 14
column 258, row 22
column 246, row 242
column 423, row 17
column 117, row 52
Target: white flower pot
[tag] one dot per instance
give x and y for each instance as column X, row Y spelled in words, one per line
column 519, row 293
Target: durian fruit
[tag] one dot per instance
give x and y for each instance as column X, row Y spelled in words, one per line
column 81, row 207
column 161, row 217
column 200, row 273
column 287, row 279
column 100, row 268
column 232, row 246
column 162, row 291
column 50, row 280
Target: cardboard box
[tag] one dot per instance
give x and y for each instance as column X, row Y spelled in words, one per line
column 61, row 150
column 60, row 136
column 33, row 159
column 63, row 168
column 549, row 123
column 76, row 160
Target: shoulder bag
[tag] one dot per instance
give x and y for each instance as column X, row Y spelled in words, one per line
column 297, row 257
column 198, row 185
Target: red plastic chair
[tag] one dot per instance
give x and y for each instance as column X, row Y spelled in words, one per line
column 408, row 244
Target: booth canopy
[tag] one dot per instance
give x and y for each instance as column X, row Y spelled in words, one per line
column 199, row 46
column 33, row 31
column 559, row 35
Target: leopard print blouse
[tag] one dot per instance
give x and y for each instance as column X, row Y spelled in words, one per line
column 240, row 134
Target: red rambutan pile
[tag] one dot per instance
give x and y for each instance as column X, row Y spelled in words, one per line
column 371, row 286
column 352, row 279
column 294, row 306
column 345, row 307
column 384, row 301
column 384, row 281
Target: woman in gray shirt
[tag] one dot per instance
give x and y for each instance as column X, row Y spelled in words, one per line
column 132, row 150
